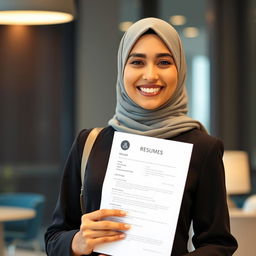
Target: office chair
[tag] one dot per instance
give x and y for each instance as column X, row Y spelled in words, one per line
column 16, row 232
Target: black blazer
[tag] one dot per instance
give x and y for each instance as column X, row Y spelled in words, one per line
column 204, row 199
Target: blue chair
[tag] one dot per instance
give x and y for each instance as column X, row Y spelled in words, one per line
column 25, row 230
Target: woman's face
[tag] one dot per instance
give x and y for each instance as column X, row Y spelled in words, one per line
column 150, row 74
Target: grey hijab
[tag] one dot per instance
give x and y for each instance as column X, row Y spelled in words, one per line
column 169, row 119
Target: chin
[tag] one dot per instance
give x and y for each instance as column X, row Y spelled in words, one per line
column 149, row 107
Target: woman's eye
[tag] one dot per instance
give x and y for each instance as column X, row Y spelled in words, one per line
column 137, row 62
column 164, row 63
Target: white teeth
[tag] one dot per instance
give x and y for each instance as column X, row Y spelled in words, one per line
column 150, row 90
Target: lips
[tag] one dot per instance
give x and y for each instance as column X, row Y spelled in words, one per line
column 149, row 90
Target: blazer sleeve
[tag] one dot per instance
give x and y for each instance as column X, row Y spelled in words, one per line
column 210, row 214
column 67, row 214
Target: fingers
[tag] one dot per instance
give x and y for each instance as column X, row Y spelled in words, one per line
column 104, row 225
column 91, row 221
column 103, row 213
column 100, row 233
column 96, row 230
column 81, row 244
column 105, row 239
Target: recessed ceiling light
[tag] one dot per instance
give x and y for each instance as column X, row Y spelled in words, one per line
column 178, row 20
column 123, row 26
column 191, row 32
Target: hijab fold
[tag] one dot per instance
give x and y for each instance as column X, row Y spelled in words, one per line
column 169, row 119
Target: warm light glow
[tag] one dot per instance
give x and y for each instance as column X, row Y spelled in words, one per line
column 178, row 20
column 34, row 17
column 191, row 32
column 237, row 172
column 123, row 26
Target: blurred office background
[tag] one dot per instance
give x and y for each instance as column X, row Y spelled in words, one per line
column 58, row 79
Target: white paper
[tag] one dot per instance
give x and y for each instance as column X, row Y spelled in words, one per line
column 146, row 179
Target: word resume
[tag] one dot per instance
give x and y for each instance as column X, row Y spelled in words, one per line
column 146, row 178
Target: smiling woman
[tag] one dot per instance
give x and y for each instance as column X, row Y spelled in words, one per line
column 151, row 101
column 150, row 75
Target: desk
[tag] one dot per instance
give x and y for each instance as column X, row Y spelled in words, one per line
column 243, row 228
column 8, row 213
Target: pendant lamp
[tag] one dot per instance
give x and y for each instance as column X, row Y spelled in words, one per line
column 36, row 12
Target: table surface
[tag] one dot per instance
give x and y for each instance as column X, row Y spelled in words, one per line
column 239, row 213
column 243, row 228
column 10, row 213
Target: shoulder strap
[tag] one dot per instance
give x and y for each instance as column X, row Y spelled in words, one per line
column 87, row 149
column 86, row 152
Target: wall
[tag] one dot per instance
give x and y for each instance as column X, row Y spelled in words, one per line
column 96, row 50
column 36, row 77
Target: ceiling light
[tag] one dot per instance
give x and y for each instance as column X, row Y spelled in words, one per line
column 191, row 32
column 178, row 20
column 123, row 26
column 36, row 12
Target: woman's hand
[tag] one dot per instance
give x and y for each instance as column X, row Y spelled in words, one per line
column 94, row 230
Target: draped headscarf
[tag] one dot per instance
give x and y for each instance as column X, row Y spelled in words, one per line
column 171, row 118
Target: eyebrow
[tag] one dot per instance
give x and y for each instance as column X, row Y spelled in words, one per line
column 141, row 55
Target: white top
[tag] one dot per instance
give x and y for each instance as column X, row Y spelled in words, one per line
column 9, row 213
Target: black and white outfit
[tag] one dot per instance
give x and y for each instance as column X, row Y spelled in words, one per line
column 204, row 199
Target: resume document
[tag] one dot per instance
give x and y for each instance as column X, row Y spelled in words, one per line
column 146, row 178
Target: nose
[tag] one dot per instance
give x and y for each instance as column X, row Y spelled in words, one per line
column 150, row 73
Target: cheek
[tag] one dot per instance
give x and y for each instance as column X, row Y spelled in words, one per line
column 173, row 79
column 125, row 78
column 129, row 79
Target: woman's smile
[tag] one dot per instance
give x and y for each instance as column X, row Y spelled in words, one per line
column 149, row 90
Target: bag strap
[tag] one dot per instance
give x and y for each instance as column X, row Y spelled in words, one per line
column 86, row 152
